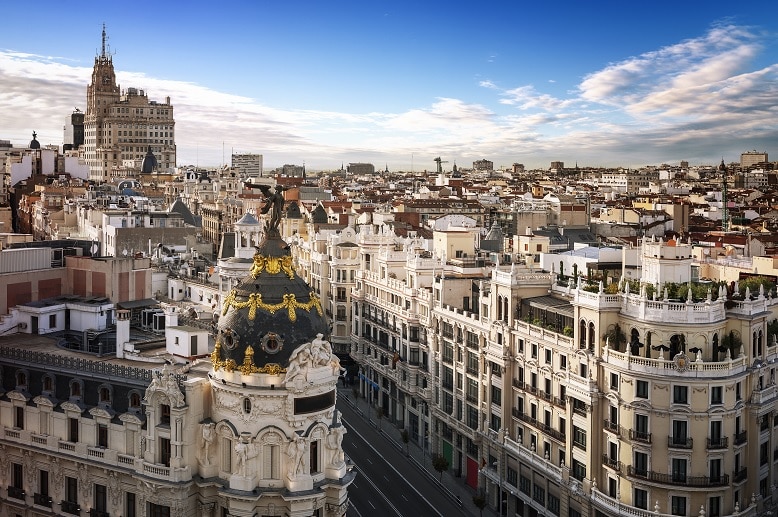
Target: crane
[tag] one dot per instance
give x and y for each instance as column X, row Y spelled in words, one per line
column 439, row 161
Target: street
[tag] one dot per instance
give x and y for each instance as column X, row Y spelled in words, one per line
column 387, row 482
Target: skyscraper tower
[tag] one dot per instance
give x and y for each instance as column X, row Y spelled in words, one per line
column 725, row 209
column 122, row 126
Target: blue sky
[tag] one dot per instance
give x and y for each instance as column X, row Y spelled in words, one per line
column 398, row 83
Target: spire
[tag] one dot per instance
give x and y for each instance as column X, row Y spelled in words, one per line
column 102, row 53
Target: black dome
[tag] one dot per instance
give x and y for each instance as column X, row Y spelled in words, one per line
column 149, row 162
column 269, row 314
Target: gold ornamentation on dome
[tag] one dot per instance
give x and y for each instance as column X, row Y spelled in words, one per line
column 228, row 365
column 272, row 369
column 272, row 265
column 248, row 366
column 288, row 302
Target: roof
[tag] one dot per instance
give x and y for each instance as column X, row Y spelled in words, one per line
column 137, row 304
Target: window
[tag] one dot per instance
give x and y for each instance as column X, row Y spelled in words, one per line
column 716, row 395
column 579, row 437
column 714, row 507
column 71, row 490
column 48, row 384
column 105, row 395
column 100, row 498
column 164, row 451
column 680, row 395
column 102, row 435
column 641, row 390
column 135, row 400
column 496, row 395
column 640, row 498
column 75, row 389
column 270, row 467
column 641, row 464
column 43, row 482
column 155, row 510
column 52, row 321
column 679, row 470
column 164, row 414
column 19, row 417
column 73, row 429
column 579, row 470
column 614, row 381
column 678, row 505
column 548, row 356
column 314, row 456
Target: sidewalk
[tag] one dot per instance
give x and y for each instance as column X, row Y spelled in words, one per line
column 451, row 485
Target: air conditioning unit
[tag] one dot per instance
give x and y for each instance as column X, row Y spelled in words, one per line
column 23, row 325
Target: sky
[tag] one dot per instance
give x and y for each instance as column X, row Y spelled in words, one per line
column 398, row 83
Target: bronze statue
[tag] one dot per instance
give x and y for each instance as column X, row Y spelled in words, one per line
column 274, row 203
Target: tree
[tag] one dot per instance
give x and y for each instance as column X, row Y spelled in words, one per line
column 615, row 337
column 732, row 343
column 440, row 464
column 480, row 502
column 405, row 438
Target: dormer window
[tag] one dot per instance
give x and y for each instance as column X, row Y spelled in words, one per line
column 48, row 384
column 134, row 400
column 105, row 395
column 21, row 379
column 75, row 389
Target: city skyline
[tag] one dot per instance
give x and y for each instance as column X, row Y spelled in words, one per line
column 399, row 84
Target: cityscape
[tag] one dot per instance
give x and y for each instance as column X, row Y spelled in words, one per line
column 443, row 338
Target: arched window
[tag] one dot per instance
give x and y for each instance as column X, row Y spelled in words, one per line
column 134, row 400
column 21, row 379
column 104, row 395
column 247, row 405
column 499, row 307
column 75, row 389
column 48, row 383
column 592, row 336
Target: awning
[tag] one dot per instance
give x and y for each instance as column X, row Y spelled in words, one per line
column 137, row 304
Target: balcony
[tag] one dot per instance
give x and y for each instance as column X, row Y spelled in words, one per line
column 679, row 442
column 741, row 437
column 612, row 427
column 16, row 493
column 721, row 442
column 611, row 462
column 740, row 475
column 42, row 500
column 639, row 436
column 678, row 478
column 71, row 507
column 559, row 402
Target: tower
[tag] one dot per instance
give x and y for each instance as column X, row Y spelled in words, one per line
column 121, row 126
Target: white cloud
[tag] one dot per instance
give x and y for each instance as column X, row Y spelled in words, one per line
column 699, row 98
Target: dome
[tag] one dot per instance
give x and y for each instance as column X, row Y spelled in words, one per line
column 269, row 314
column 34, row 144
column 149, row 162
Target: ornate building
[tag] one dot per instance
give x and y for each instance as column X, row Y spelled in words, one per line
column 123, row 125
column 252, row 431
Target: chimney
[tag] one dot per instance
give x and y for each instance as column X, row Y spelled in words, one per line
column 122, row 331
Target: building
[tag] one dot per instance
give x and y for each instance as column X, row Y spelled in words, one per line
column 360, row 169
column 74, row 131
column 128, row 409
column 483, row 165
column 247, row 165
column 558, row 394
column 750, row 158
column 123, row 125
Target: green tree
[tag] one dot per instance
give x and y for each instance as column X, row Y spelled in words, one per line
column 440, row 464
column 480, row 502
column 731, row 343
column 616, row 337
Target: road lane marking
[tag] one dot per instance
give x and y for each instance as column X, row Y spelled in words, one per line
column 385, row 498
column 370, row 503
column 432, row 507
